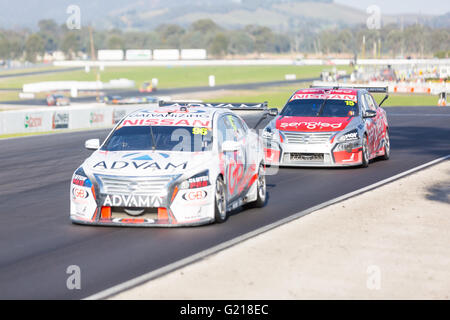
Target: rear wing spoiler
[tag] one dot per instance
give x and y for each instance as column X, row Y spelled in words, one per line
column 244, row 106
column 371, row 89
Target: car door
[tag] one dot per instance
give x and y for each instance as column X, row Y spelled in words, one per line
column 378, row 123
column 369, row 124
column 233, row 162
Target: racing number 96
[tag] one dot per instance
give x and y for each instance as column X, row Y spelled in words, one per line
column 202, row 131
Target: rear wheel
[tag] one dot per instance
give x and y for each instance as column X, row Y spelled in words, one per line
column 261, row 190
column 220, row 202
column 365, row 152
column 387, row 147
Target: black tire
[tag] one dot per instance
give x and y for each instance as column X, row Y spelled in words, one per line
column 365, row 152
column 220, row 201
column 387, row 147
column 261, row 194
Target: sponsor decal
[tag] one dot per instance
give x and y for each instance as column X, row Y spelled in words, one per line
column 96, row 117
column 81, row 181
column 80, row 193
column 170, row 114
column 310, row 125
column 60, row 120
column 33, row 121
column 199, row 181
column 194, row 195
column 167, row 122
column 330, row 96
column 146, row 165
column 133, row 201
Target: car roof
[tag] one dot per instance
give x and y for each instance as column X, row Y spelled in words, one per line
column 327, row 93
column 351, row 91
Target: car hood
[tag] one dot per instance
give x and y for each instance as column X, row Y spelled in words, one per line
column 312, row 124
column 146, row 163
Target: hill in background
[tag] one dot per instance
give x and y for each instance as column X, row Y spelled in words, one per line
column 280, row 15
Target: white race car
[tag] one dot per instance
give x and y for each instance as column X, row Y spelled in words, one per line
column 175, row 165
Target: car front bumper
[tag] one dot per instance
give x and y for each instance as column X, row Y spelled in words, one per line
column 189, row 207
column 318, row 155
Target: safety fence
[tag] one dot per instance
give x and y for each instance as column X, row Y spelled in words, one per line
column 63, row 118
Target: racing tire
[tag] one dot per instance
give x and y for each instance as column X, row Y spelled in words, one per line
column 261, row 190
column 387, row 147
column 365, row 152
column 220, row 201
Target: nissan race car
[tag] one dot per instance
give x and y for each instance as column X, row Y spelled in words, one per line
column 171, row 165
column 328, row 127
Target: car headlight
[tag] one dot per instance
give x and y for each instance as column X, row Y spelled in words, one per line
column 349, row 136
column 80, row 178
column 199, row 180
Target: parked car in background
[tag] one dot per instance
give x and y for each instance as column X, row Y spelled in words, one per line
column 57, row 100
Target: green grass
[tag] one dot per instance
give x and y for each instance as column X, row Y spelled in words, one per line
column 14, row 96
column 178, row 77
column 410, row 100
column 276, row 97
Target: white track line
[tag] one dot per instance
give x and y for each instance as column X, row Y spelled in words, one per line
column 198, row 256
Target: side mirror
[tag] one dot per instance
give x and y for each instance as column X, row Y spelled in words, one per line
column 384, row 99
column 369, row 114
column 273, row 112
column 92, row 144
column 230, row 146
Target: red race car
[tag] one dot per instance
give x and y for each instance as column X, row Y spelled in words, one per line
column 336, row 126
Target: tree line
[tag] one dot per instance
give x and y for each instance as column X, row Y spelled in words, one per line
column 390, row 40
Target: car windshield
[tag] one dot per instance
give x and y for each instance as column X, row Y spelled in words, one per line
column 312, row 108
column 167, row 138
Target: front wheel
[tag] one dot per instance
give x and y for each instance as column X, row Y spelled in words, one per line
column 220, row 202
column 365, row 152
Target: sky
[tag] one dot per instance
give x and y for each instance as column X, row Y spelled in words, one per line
column 402, row 6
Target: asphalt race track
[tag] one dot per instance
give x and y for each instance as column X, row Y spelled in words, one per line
column 38, row 241
column 166, row 92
